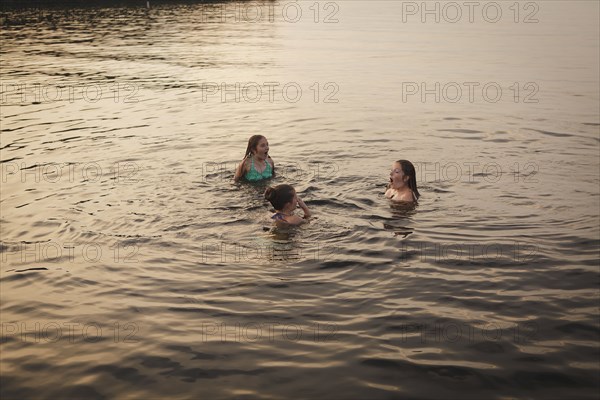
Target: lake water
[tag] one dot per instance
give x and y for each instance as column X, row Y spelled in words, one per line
column 133, row 267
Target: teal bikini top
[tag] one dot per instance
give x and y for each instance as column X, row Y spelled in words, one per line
column 253, row 175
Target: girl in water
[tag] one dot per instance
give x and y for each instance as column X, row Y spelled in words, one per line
column 257, row 164
column 285, row 200
column 403, row 183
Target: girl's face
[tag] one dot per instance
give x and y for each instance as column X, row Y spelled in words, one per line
column 293, row 204
column 397, row 177
column 262, row 149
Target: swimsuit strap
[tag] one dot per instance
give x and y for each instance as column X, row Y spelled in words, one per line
column 253, row 175
column 279, row 217
column 267, row 168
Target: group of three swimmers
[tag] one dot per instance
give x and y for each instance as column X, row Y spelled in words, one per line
column 258, row 165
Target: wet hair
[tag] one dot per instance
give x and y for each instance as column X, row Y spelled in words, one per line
column 409, row 169
column 252, row 144
column 280, row 195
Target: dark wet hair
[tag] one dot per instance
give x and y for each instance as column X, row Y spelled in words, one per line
column 280, row 195
column 409, row 169
column 252, row 144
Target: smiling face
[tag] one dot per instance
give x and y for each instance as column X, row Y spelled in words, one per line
column 397, row 177
column 261, row 150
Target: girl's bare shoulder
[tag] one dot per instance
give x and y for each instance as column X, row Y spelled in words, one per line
column 295, row 220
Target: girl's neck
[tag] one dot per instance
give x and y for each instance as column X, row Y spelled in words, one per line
column 402, row 188
column 287, row 210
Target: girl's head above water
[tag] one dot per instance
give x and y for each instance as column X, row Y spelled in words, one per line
column 285, row 200
column 403, row 174
column 256, row 164
column 280, row 195
column 257, row 144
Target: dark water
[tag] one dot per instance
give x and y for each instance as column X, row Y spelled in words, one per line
column 132, row 266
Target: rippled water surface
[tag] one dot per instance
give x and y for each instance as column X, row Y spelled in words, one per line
column 133, row 267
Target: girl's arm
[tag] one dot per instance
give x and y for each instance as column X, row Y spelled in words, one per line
column 304, row 208
column 272, row 165
column 240, row 170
